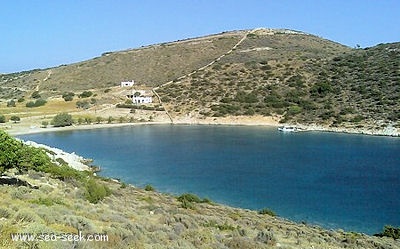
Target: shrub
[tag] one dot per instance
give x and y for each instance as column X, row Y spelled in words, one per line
column 62, row 119
column 294, row 109
column 68, row 96
column 267, row 211
column 320, row 89
column 148, row 187
column 37, row 103
column 47, row 201
column 96, row 192
column 110, row 120
column 389, row 231
column 15, row 119
column 15, row 154
column 83, row 104
column 99, row 120
column 189, row 199
column 85, row 94
column 64, row 172
column 357, row 119
column 26, row 216
column 2, row 118
column 45, row 124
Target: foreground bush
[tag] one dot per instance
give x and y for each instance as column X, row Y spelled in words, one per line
column 96, row 192
column 15, row 154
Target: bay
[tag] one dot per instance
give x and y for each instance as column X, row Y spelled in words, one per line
column 333, row 180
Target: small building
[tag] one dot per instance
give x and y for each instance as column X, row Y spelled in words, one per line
column 127, row 83
column 140, row 97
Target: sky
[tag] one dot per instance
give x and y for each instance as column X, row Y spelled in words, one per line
column 48, row 33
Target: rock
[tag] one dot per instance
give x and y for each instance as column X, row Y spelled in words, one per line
column 7, row 180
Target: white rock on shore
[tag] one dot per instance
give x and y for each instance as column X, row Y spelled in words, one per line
column 73, row 160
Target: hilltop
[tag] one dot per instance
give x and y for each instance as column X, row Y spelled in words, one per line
column 276, row 76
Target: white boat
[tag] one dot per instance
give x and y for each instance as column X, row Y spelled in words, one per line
column 287, row 129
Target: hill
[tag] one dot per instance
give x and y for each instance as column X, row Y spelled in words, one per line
column 284, row 75
column 43, row 197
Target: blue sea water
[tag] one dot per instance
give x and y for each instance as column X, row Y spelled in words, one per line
column 333, row 180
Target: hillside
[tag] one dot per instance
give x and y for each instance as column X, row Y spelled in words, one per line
column 281, row 75
column 49, row 198
column 150, row 65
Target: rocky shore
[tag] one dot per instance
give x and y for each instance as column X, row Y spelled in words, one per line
column 73, row 160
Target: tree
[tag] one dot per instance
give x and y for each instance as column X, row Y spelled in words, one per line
column 15, row 119
column 99, row 120
column 45, row 124
column 37, row 103
column 68, row 96
column 85, row 94
column 62, row 119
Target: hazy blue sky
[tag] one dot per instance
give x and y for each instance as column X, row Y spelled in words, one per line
column 40, row 33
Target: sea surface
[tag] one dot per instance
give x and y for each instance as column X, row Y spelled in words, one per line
column 351, row 182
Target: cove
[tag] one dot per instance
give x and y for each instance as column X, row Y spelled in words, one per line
column 333, row 180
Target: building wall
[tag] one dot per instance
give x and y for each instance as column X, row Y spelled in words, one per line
column 142, row 100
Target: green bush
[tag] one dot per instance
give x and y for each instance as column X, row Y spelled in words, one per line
column 267, row 211
column 391, row 232
column 148, row 187
column 62, row 119
column 357, row 119
column 320, row 89
column 294, row 109
column 85, row 94
column 37, row 103
column 15, row 119
column 189, row 199
column 45, row 124
column 2, row 118
column 68, row 96
column 47, row 201
column 96, row 192
column 15, row 154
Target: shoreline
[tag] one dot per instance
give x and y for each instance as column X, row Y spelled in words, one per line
column 386, row 132
column 27, row 128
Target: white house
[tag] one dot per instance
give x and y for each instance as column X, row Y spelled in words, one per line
column 140, row 97
column 127, row 83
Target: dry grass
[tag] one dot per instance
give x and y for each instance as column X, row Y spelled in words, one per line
column 133, row 217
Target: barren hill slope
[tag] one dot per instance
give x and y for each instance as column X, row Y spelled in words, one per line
column 150, row 65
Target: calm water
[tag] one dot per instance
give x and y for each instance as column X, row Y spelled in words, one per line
column 333, row 180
